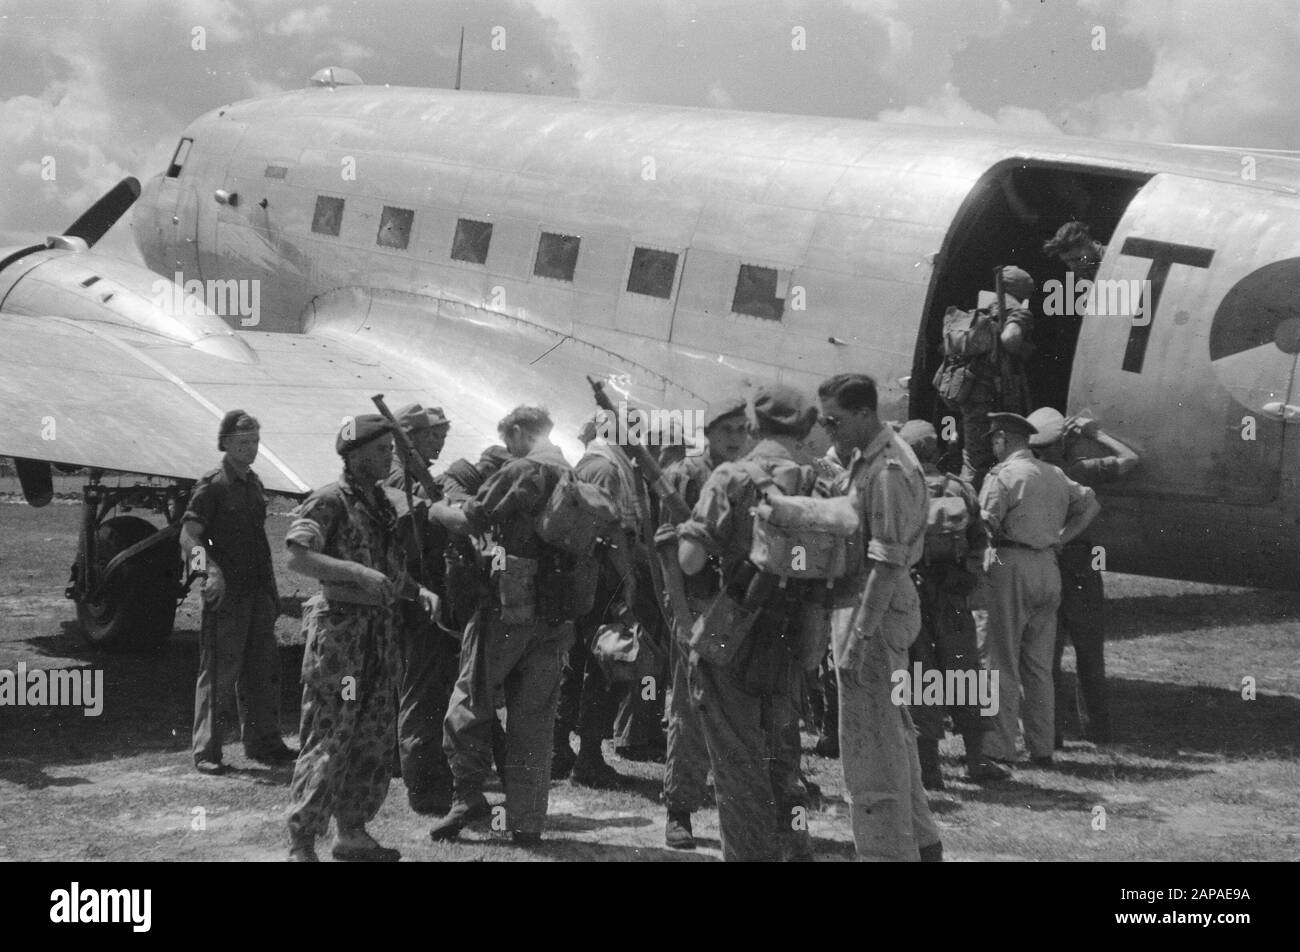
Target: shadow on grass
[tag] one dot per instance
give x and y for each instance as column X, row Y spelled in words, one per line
column 571, row 823
column 148, row 703
column 1138, row 616
column 1183, row 722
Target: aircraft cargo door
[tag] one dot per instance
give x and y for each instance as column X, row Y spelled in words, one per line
column 1201, row 377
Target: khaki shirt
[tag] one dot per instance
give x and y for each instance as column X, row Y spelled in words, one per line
column 888, row 487
column 1028, row 501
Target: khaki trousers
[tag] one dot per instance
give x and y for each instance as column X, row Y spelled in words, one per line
column 1024, row 593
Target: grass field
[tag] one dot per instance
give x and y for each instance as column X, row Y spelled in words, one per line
column 1197, row 773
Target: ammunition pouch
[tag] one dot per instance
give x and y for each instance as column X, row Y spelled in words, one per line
column 517, row 590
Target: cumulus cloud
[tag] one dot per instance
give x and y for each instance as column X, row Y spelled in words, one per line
column 95, row 90
column 1222, row 74
column 104, row 87
column 301, row 21
column 948, row 108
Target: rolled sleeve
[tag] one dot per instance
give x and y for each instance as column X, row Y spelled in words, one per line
column 886, row 503
column 993, row 503
column 1104, row 469
column 313, row 522
column 202, row 507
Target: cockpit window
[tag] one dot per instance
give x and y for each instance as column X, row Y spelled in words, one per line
column 178, row 160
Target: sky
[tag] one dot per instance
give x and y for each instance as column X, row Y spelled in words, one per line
column 94, row 90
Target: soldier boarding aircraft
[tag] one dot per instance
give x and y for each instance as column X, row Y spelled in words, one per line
column 480, row 250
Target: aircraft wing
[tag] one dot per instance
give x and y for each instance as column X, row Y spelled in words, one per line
column 117, row 398
column 113, row 398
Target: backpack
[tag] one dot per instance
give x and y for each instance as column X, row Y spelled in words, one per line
column 575, row 516
column 970, row 334
column 803, row 537
column 946, row 524
column 970, row 348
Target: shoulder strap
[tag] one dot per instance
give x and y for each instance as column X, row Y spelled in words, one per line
column 761, row 479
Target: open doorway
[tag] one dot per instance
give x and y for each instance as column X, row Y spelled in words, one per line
column 1013, row 209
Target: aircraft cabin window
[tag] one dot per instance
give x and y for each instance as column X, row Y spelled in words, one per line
column 178, row 160
column 652, row 272
column 395, row 227
column 90, row 280
column 329, row 215
column 472, row 241
column 277, row 171
column 557, row 256
column 756, row 293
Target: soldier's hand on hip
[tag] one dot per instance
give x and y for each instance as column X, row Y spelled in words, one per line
column 374, row 583
column 214, row 587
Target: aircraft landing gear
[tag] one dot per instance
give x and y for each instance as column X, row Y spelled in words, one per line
column 126, row 581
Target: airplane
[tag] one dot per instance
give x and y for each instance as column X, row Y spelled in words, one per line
column 478, row 251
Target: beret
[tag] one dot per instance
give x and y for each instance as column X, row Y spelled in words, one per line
column 236, row 421
column 414, row 417
column 784, row 407
column 357, row 431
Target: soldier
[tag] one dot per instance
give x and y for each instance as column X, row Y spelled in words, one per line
column 822, row 689
column 587, row 701
column 430, row 655
column 1075, row 247
column 1092, row 457
column 999, row 381
column 748, row 706
column 1030, row 509
column 515, row 642
column 686, row 763
column 947, row 641
column 226, row 520
column 344, row 536
column 869, row 639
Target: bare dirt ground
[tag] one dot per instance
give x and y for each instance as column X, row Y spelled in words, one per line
column 1197, row 773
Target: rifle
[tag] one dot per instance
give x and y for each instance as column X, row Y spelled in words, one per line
column 416, row 465
column 675, row 506
column 672, row 599
column 414, row 461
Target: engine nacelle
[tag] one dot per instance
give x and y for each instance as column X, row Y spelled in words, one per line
column 63, row 280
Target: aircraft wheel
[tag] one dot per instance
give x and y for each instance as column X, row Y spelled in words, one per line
column 138, row 608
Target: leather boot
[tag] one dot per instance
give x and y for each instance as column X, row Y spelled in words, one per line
column 931, row 774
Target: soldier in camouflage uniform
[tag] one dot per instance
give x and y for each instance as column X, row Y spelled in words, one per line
column 343, row 535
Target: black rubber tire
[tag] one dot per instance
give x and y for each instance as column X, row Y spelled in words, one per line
column 139, row 609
